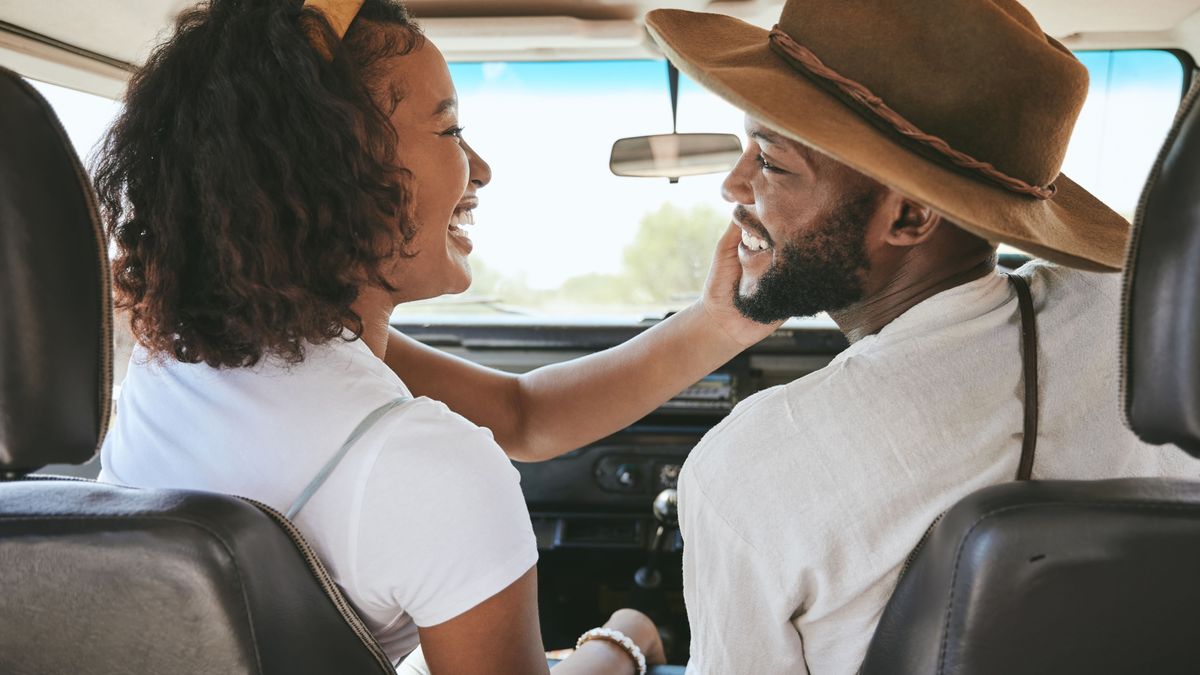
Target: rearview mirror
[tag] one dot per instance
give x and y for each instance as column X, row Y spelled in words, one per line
column 674, row 155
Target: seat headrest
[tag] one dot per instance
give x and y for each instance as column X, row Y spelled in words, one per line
column 1161, row 317
column 55, row 304
column 105, row 579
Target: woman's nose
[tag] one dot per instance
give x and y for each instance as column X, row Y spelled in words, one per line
column 481, row 173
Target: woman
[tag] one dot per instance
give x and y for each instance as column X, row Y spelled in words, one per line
column 273, row 191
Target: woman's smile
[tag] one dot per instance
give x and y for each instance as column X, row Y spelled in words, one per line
column 462, row 218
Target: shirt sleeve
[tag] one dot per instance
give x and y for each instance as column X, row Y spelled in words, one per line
column 739, row 615
column 443, row 524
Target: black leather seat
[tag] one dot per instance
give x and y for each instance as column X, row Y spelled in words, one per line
column 1083, row 577
column 102, row 579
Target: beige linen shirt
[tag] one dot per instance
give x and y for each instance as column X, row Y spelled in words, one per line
column 798, row 510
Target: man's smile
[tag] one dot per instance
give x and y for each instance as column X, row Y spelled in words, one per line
column 756, row 249
column 754, row 243
column 754, row 236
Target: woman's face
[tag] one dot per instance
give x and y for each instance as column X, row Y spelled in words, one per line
column 445, row 176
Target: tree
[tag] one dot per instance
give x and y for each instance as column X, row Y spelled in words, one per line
column 671, row 253
column 597, row 289
column 667, row 262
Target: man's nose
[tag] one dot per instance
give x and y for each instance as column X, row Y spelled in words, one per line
column 736, row 186
column 480, row 172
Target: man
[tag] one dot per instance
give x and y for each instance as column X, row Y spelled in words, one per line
column 891, row 146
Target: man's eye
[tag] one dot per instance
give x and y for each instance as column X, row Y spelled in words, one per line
column 766, row 166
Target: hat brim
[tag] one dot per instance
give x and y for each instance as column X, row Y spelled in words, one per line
column 735, row 61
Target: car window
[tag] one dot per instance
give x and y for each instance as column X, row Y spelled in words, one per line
column 1130, row 107
column 558, row 235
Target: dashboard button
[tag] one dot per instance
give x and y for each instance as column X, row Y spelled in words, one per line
column 627, row 476
column 668, row 476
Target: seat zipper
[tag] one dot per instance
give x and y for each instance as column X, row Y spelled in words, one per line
column 920, row 544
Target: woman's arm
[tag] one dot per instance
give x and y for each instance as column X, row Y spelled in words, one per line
column 501, row 635
column 544, row 413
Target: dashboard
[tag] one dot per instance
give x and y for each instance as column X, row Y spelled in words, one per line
column 600, row 496
column 604, row 514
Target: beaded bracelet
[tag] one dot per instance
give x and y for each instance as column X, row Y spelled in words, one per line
column 618, row 638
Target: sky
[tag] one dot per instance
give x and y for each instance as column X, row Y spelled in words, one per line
column 547, row 129
column 553, row 209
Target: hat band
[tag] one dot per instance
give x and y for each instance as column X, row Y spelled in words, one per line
column 803, row 58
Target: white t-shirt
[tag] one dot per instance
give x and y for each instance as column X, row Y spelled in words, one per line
column 421, row 521
column 798, row 510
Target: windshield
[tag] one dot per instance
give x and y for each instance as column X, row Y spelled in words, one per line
column 559, row 238
column 557, row 232
column 559, row 235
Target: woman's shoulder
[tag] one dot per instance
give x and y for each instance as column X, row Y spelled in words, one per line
column 441, row 496
column 431, row 462
column 426, row 430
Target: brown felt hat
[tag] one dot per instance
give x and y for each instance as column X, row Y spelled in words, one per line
column 965, row 106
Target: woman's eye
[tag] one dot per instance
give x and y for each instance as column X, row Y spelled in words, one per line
column 456, row 132
column 767, row 166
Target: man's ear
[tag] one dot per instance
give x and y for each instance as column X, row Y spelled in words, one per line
column 913, row 224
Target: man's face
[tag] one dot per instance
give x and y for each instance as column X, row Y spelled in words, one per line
column 804, row 220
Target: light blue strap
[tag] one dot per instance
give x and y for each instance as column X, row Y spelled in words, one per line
column 362, row 428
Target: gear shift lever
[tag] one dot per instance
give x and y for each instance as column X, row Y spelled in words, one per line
column 666, row 512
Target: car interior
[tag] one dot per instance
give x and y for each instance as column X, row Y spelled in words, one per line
column 1039, row 576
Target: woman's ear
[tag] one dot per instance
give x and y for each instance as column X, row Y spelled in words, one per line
column 913, row 224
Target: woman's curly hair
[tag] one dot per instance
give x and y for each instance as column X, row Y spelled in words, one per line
column 250, row 185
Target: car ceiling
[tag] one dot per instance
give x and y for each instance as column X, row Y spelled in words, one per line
column 92, row 44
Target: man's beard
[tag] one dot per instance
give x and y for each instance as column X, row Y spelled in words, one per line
column 817, row 271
